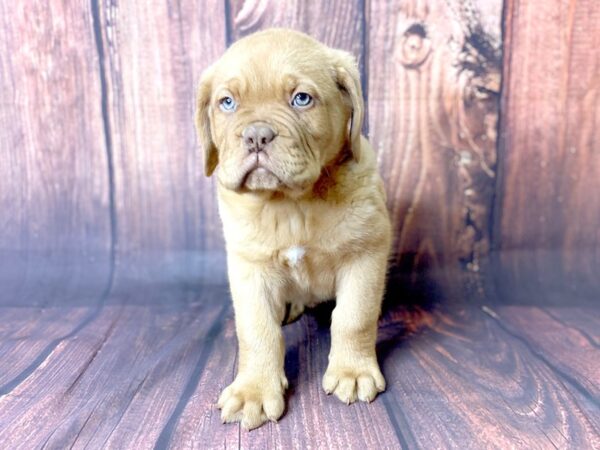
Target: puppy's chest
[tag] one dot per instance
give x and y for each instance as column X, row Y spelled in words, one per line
column 308, row 269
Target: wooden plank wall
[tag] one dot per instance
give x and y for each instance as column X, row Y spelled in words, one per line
column 99, row 156
column 100, row 145
column 434, row 74
column 56, row 229
column 152, row 54
column 548, row 202
column 54, row 188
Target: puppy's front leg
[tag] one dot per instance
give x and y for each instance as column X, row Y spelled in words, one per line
column 353, row 370
column 256, row 394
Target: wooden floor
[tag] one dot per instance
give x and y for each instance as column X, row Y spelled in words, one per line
column 135, row 357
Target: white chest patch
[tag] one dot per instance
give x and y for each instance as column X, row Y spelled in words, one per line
column 294, row 255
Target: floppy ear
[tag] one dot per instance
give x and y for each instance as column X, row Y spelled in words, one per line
column 211, row 155
column 348, row 81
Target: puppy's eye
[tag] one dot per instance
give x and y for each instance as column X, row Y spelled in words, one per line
column 227, row 104
column 301, row 100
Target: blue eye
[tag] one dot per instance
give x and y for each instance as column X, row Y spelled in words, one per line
column 301, row 100
column 227, row 104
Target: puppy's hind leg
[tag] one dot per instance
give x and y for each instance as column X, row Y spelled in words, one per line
column 293, row 311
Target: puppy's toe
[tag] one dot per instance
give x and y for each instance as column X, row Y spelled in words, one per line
column 253, row 402
column 231, row 409
column 274, row 407
column 224, row 396
column 366, row 388
column 346, row 389
column 253, row 415
column 378, row 379
column 352, row 383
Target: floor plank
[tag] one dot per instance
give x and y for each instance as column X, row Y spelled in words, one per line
column 570, row 353
column 586, row 321
column 147, row 369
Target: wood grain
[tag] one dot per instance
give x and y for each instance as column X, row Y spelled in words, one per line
column 112, row 375
column 565, row 347
column 153, row 54
column 434, row 74
column 550, row 136
column 147, row 371
column 345, row 24
column 584, row 320
column 54, row 188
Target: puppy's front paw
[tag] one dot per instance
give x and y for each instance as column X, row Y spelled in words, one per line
column 253, row 401
column 348, row 382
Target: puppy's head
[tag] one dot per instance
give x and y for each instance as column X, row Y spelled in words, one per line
column 276, row 109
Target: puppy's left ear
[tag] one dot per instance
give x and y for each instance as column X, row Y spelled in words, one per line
column 347, row 78
column 211, row 154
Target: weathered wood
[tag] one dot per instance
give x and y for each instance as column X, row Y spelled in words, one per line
column 434, row 74
column 568, row 350
column 479, row 387
column 55, row 193
column 112, row 374
column 584, row 320
column 153, row 54
column 148, row 369
column 55, row 187
column 550, row 140
column 344, row 29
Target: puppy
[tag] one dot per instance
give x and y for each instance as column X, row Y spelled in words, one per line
column 303, row 208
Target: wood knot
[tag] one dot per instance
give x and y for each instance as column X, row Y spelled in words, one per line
column 415, row 46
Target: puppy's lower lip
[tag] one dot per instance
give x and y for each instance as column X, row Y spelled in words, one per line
column 262, row 170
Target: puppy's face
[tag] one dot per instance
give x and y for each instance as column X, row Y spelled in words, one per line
column 276, row 109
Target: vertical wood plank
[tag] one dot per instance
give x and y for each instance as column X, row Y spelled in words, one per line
column 550, row 141
column 54, row 184
column 154, row 53
column 344, row 20
column 434, row 77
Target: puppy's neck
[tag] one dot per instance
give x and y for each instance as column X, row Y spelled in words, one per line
column 330, row 174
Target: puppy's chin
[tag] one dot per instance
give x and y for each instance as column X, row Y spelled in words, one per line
column 261, row 179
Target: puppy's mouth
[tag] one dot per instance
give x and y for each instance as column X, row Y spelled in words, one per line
column 256, row 174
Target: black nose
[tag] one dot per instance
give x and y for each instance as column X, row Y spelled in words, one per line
column 257, row 136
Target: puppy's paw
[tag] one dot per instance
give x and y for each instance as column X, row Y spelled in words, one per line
column 253, row 401
column 362, row 381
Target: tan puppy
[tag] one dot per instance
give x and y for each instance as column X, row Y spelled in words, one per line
column 303, row 210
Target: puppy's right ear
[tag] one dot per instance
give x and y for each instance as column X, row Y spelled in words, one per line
column 211, row 155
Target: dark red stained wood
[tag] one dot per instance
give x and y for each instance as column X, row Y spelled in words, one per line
column 434, row 74
column 565, row 347
column 474, row 383
column 54, row 188
column 550, row 162
column 154, row 53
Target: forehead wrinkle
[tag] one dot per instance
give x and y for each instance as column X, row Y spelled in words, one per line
column 262, row 82
column 233, row 85
column 260, row 75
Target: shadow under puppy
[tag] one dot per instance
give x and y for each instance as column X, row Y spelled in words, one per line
column 303, row 210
